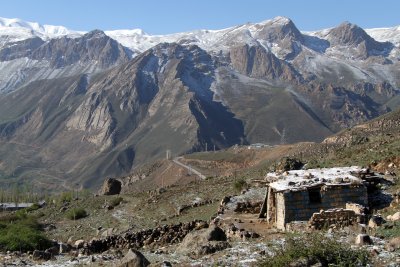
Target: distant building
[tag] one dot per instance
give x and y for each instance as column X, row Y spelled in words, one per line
column 296, row 195
column 257, row 146
column 18, row 206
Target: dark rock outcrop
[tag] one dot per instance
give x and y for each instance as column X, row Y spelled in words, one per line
column 93, row 46
column 20, row 49
column 255, row 61
column 111, row 186
column 288, row 164
column 348, row 34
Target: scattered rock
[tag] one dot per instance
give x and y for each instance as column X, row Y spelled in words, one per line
column 393, row 244
column 225, row 200
column 70, row 240
column 363, row 239
column 214, row 233
column 134, row 258
column 107, row 232
column 161, row 190
column 394, row 217
column 64, row 248
column 362, row 228
column 108, row 207
column 53, row 250
column 204, row 241
column 111, row 186
column 41, row 255
column 49, row 227
column 299, row 263
column 161, row 235
column 201, row 225
column 79, row 243
column 375, row 221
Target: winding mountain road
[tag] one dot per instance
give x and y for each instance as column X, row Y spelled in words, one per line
column 189, row 168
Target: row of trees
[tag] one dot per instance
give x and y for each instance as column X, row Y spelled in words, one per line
column 19, row 194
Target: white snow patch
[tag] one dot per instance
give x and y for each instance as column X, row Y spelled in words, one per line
column 386, row 34
column 304, row 178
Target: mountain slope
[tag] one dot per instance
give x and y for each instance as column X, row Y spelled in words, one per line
column 117, row 118
column 76, row 109
column 32, row 59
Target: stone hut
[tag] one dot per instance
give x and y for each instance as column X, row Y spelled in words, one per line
column 296, row 195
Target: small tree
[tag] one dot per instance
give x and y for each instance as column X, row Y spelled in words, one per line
column 240, row 184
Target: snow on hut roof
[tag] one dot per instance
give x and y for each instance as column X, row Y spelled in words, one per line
column 298, row 179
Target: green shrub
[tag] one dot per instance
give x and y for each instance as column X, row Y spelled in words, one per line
column 240, row 184
column 116, row 201
column 34, row 207
column 22, row 234
column 66, row 197
column 23, row 213
column 76, row 213
column 21, row 237
column 315, row 248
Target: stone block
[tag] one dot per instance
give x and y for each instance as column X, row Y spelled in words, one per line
column 363, row 239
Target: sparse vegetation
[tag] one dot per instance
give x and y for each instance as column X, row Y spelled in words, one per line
column 76, row 213
column 34, row 207
column 389, row 230
column 65, row 197
column 313, row 249
column 116, row 201
column 240, row 184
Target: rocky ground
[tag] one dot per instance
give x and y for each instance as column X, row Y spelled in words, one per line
column 232, row 236
column 171, row 215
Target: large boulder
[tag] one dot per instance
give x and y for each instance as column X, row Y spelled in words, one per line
column 134, row 259
column 288, row 164
column 111, row 186
column 204, row 241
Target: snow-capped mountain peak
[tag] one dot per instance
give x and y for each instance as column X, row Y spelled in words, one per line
column 17, row 29
column 280, row 20
column 267, row 32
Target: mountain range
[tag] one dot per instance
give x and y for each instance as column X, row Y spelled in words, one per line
column 76, row 107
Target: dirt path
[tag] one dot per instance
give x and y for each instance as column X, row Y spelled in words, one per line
column 189, row 168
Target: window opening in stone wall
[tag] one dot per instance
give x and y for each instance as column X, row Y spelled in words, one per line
column 314, row 195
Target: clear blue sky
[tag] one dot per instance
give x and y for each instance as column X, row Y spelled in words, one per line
column 169, row 16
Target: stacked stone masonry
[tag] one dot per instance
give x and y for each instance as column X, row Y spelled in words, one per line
column 337, row 217
column 297, row 205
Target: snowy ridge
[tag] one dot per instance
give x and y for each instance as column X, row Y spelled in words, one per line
column 16, row 30
column 210, row 40
column 386, row 34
